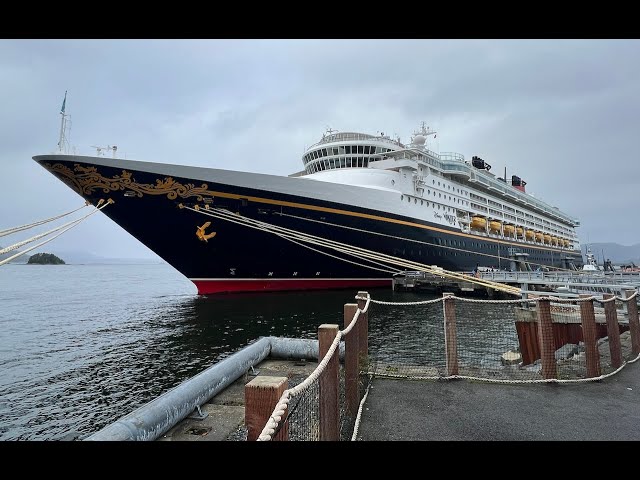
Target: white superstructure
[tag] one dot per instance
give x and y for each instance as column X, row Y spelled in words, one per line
column 441, row 188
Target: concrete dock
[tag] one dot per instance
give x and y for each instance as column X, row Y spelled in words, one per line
column 463, row 410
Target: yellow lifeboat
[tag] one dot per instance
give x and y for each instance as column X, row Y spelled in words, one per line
column 567, row 243
column 529, row 234
column 547, row 239
column 478, row 222
column 495, row 226
column 539, row 237
column 509, row 229
column 554, row 241
column 519, row 232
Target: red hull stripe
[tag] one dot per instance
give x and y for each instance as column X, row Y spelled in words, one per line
column 223, row 286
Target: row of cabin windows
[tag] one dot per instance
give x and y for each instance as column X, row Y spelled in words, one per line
column 344, row 150
column 461, row 192
column 342, row 162
column 422, row 202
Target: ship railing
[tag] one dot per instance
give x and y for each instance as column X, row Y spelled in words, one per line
column 346, row 136
column 452, row 156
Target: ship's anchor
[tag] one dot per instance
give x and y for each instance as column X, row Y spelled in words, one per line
column 202, row 236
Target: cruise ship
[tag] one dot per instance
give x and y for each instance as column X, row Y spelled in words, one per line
column 361, row 200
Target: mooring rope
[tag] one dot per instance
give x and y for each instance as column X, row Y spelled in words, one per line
column 70, row 226
column 274, row 229
column 34, row 238
column 456, row 249
column 349, row 249
column 9, row 231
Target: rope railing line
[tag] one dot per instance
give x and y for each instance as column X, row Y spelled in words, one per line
column 422, row 302
column 280, row 409
column 12, row 230
column 356, row 425
column 490, row 301
column 73, row 224
column 351, row 250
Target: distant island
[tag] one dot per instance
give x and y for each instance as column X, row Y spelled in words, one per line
column 45, row 259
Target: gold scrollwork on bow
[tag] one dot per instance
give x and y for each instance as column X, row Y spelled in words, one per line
column 85, row 180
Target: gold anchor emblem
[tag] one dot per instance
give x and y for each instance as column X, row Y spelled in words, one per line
column 202, row 236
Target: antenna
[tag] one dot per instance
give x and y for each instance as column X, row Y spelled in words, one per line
column 63, row 142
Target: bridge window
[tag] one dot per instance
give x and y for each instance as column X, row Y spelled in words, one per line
column 360, row 149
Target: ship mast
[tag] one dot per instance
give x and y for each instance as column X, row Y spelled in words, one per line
column 63, row 126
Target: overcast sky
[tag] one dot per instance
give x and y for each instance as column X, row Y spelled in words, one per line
column 561, row 114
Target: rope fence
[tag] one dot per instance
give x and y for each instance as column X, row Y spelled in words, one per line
column 534, row 340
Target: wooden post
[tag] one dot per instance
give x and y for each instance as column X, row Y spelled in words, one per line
column 260, row 398
column 363, row 340
column 545, row 339
column 590, row 337
column 351, row 362
column 328, row 385
column 450, row 335
column 613, row 331
column 634, row 326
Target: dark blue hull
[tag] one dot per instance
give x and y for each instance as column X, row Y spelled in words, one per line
column 239, row 258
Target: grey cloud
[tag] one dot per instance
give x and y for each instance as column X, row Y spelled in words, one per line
column 559, row 113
